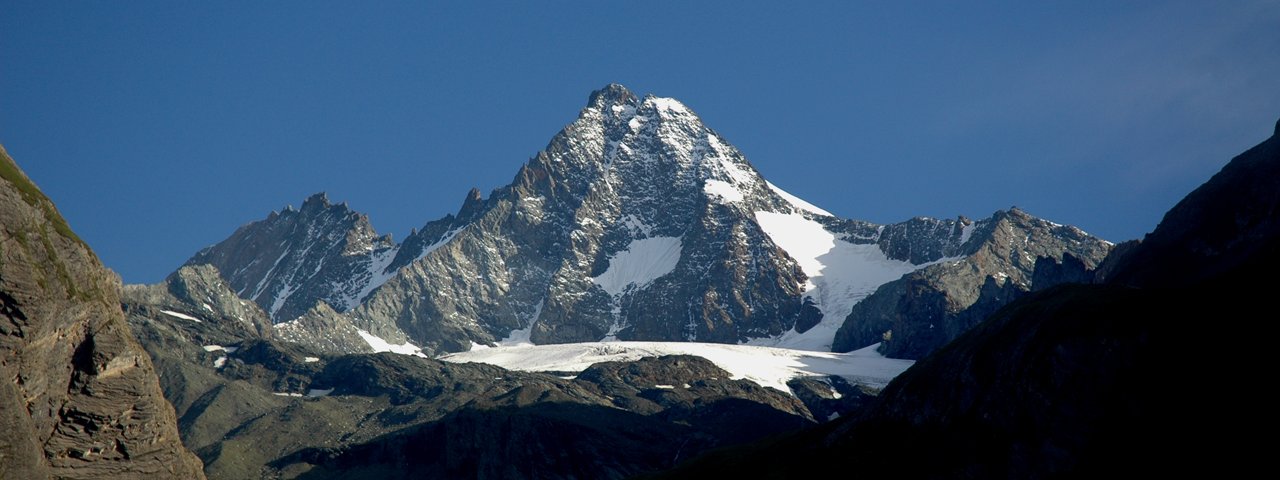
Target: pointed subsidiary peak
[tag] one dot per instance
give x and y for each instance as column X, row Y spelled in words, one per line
column 612, row 94
column 472, row 204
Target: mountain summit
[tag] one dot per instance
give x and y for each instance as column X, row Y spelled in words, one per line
column 636, row 222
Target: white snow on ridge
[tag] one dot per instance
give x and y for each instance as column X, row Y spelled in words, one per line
column 740, row 175
column 663, row 104
column 379, row 345
column 642, row 262
column 797, row 201
column 378, row 275
column 840, row 274
column 770, row 367
column 181, row 315
column 440, row 243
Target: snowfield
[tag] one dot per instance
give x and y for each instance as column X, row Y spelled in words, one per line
column 767, row 366
column 640, row 264
column 840, row 274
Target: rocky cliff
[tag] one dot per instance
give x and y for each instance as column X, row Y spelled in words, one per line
column 80, row 397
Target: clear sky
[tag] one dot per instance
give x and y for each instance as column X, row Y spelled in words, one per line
column 160, row 127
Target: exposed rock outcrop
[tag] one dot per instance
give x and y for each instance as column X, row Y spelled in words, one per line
column 79, row 397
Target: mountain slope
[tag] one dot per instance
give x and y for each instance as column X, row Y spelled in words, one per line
column 80, row 397
column 636, row 222
column 1221, row 226
column 1087, row 381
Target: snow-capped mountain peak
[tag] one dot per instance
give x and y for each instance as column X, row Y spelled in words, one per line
column 636, row 222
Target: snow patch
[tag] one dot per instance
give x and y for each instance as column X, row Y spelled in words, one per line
column 966, row 232
column 181, row 315
column 278, row 301
column 379, row 345
column 316, row 392
column 636, row 122
column 220, row 362
column 644, row 261
column 725, row 190
column 521, row 336
column 623, row 110
column 310, row 359
column 769, row 367
column 213, row 348
column 797, row 201
column 635, row 226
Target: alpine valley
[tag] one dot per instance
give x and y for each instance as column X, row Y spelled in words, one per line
column 638, row 296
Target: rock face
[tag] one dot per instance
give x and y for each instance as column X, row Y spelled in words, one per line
column 80, row 398
column 1086, row 381
column 324, row 330
column 1012, row 254
column 198, row 294
column 636, row 222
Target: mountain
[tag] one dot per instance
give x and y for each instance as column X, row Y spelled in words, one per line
column 294, row 258
column 636, row 222
column 1153, row 372
column 80, row 397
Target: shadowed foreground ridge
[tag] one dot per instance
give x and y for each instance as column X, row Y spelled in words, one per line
column 1085, row 380
column 80, row 398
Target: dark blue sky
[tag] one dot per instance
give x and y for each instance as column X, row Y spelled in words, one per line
column 158, row 128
